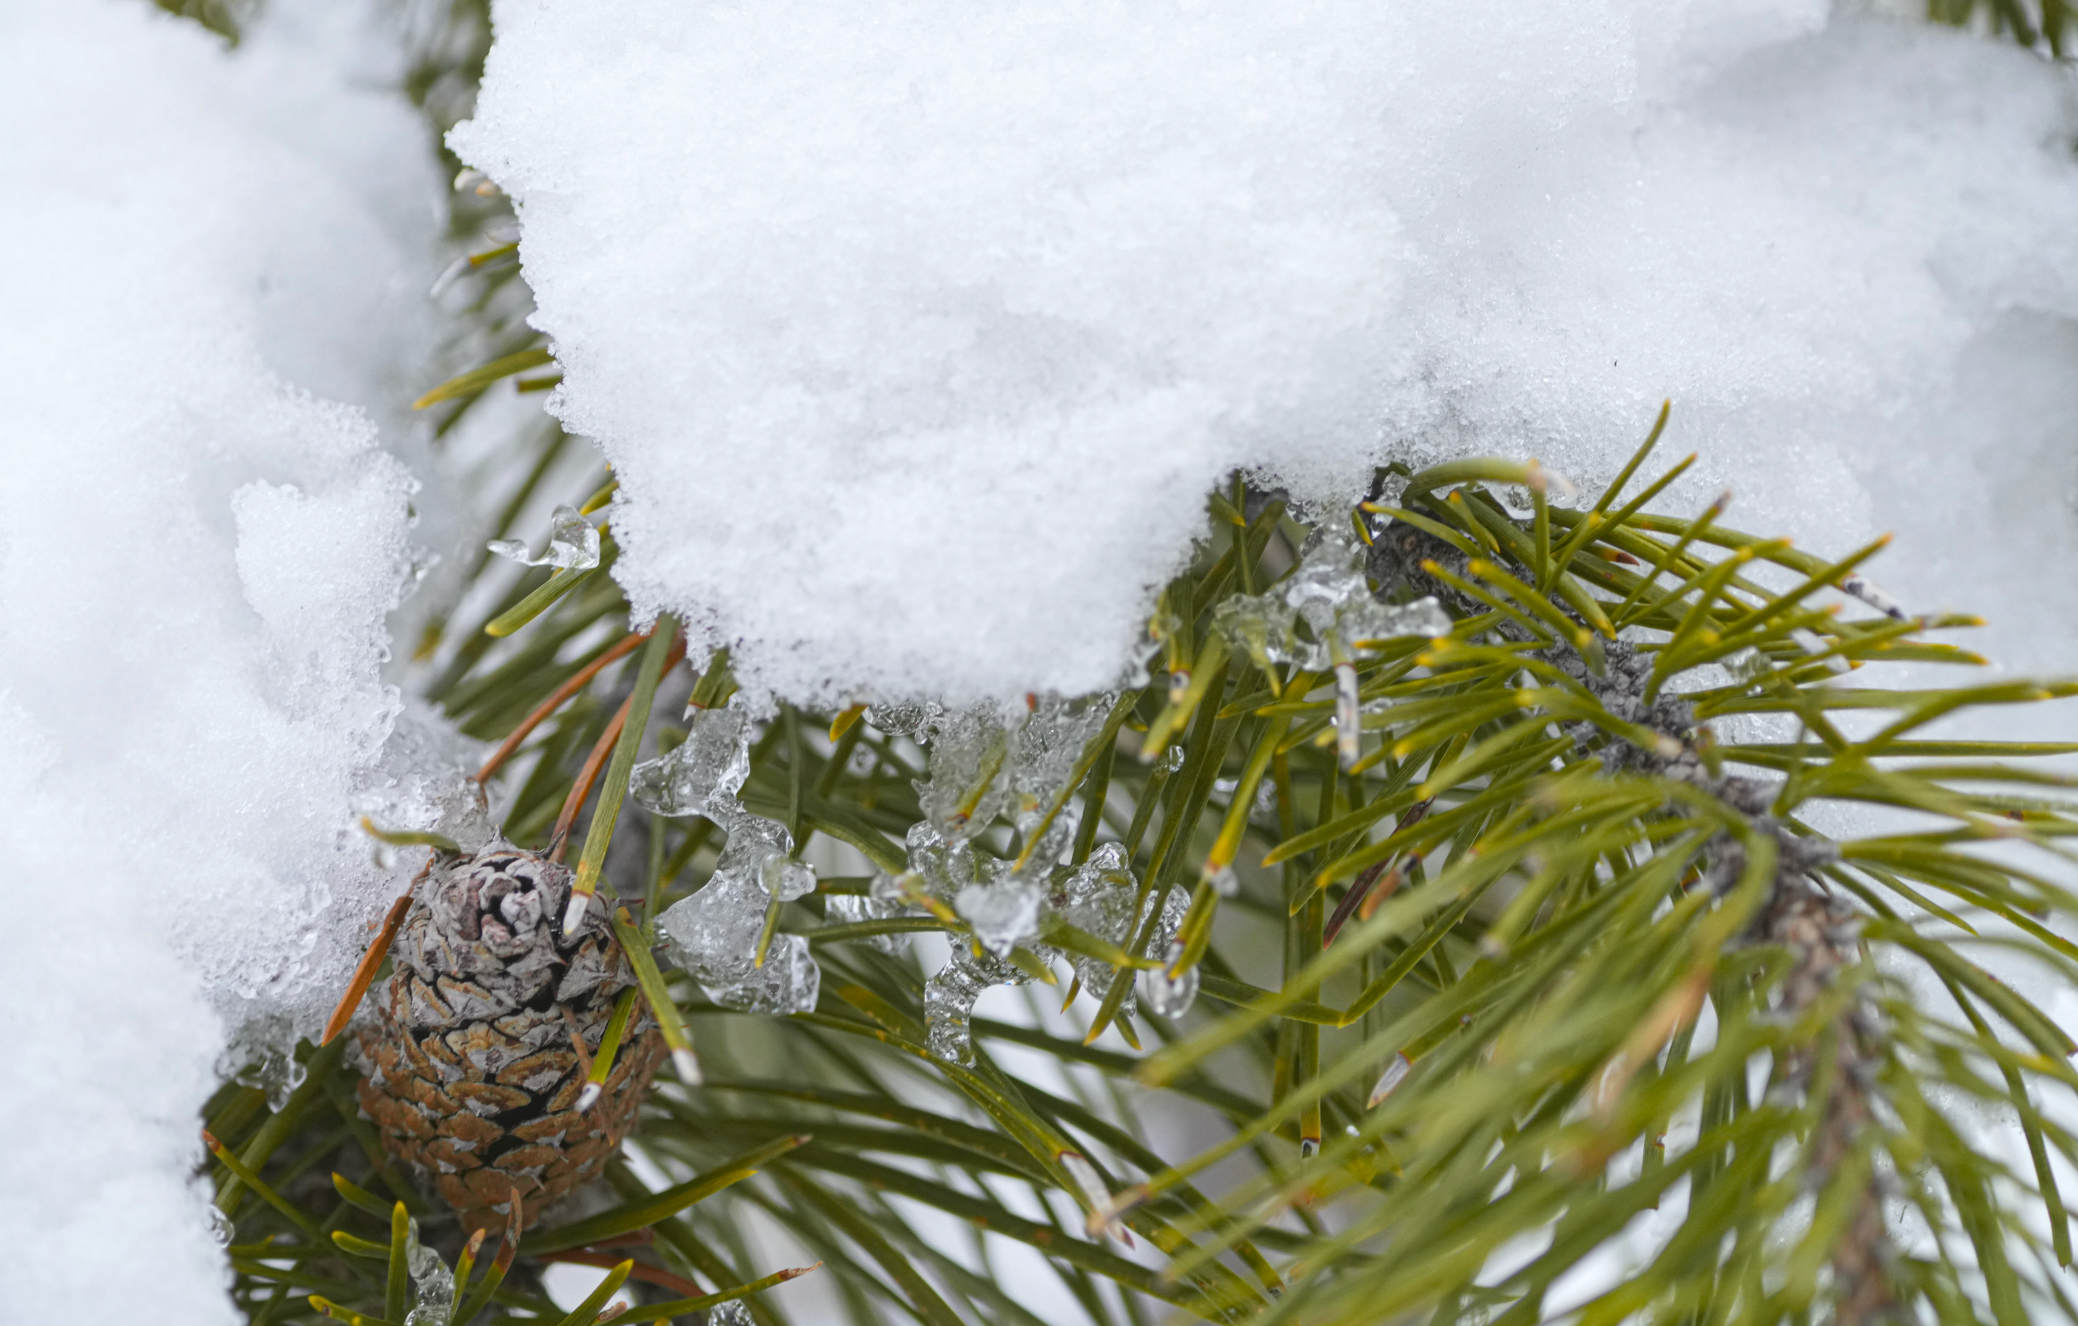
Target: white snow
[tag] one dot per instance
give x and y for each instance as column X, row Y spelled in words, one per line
column 208, row 263
column 917, row 332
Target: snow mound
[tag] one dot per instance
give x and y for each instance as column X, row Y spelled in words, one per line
column 917, row 333
column 208, row 262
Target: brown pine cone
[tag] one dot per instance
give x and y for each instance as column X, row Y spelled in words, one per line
column 469, row 1065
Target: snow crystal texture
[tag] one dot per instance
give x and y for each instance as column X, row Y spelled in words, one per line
column 202, row 257
column 917, row 332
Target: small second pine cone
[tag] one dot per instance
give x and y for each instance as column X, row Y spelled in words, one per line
column 469, row 1065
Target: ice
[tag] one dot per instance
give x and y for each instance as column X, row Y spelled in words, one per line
column 1098, row 900
column 852, row 908
column 210, row 263
column 703, row 773
column 997, row 292
column 1168, row 995
column 573, row 544
column 714, row 934
column 1048, row 745
column 1004, row 914
column 432, row 1283
column 949, row 997
column 966, row 791
column 1330, row 594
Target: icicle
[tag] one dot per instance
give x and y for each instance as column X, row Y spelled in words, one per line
column 573, row 544
column 433, row 1285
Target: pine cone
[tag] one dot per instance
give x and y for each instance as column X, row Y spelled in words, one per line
column 469, row 1065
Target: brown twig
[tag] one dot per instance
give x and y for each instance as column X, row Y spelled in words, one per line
column 582, row 678
column 1385, row 870
column 364, row 975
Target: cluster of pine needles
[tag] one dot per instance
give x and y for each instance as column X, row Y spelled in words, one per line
column 1542, row 995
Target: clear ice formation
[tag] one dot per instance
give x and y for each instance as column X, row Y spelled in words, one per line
column 573, row 544
column 979, row 770
column 432, row 1284
column 703, row 773
column 1169, row 996
column 949, row 999
column 1330, row 593
column 714, row 934
column 852, row 908
column 1098, row 900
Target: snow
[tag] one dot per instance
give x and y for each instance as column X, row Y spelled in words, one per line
column 917, row 334
column 210, row 264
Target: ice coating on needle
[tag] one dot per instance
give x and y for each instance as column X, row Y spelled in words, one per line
column 573, row 543
column 714, row 934
column 210, row 261
column 1330, row 594
column 854, row 908
column 950, row 995
column 990, row 295
column 702, row 774
column 1098, row 900
column 1169, row 995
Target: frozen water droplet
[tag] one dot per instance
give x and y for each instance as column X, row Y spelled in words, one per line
column 1169, row 996
column 573, row 544
column 732, row 1313
column 1171, row 761
column 1225, row 882
column 702, row 774
column 220, row 1227
column 1515, row 499
column 272, row 1069
column 385, row 856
